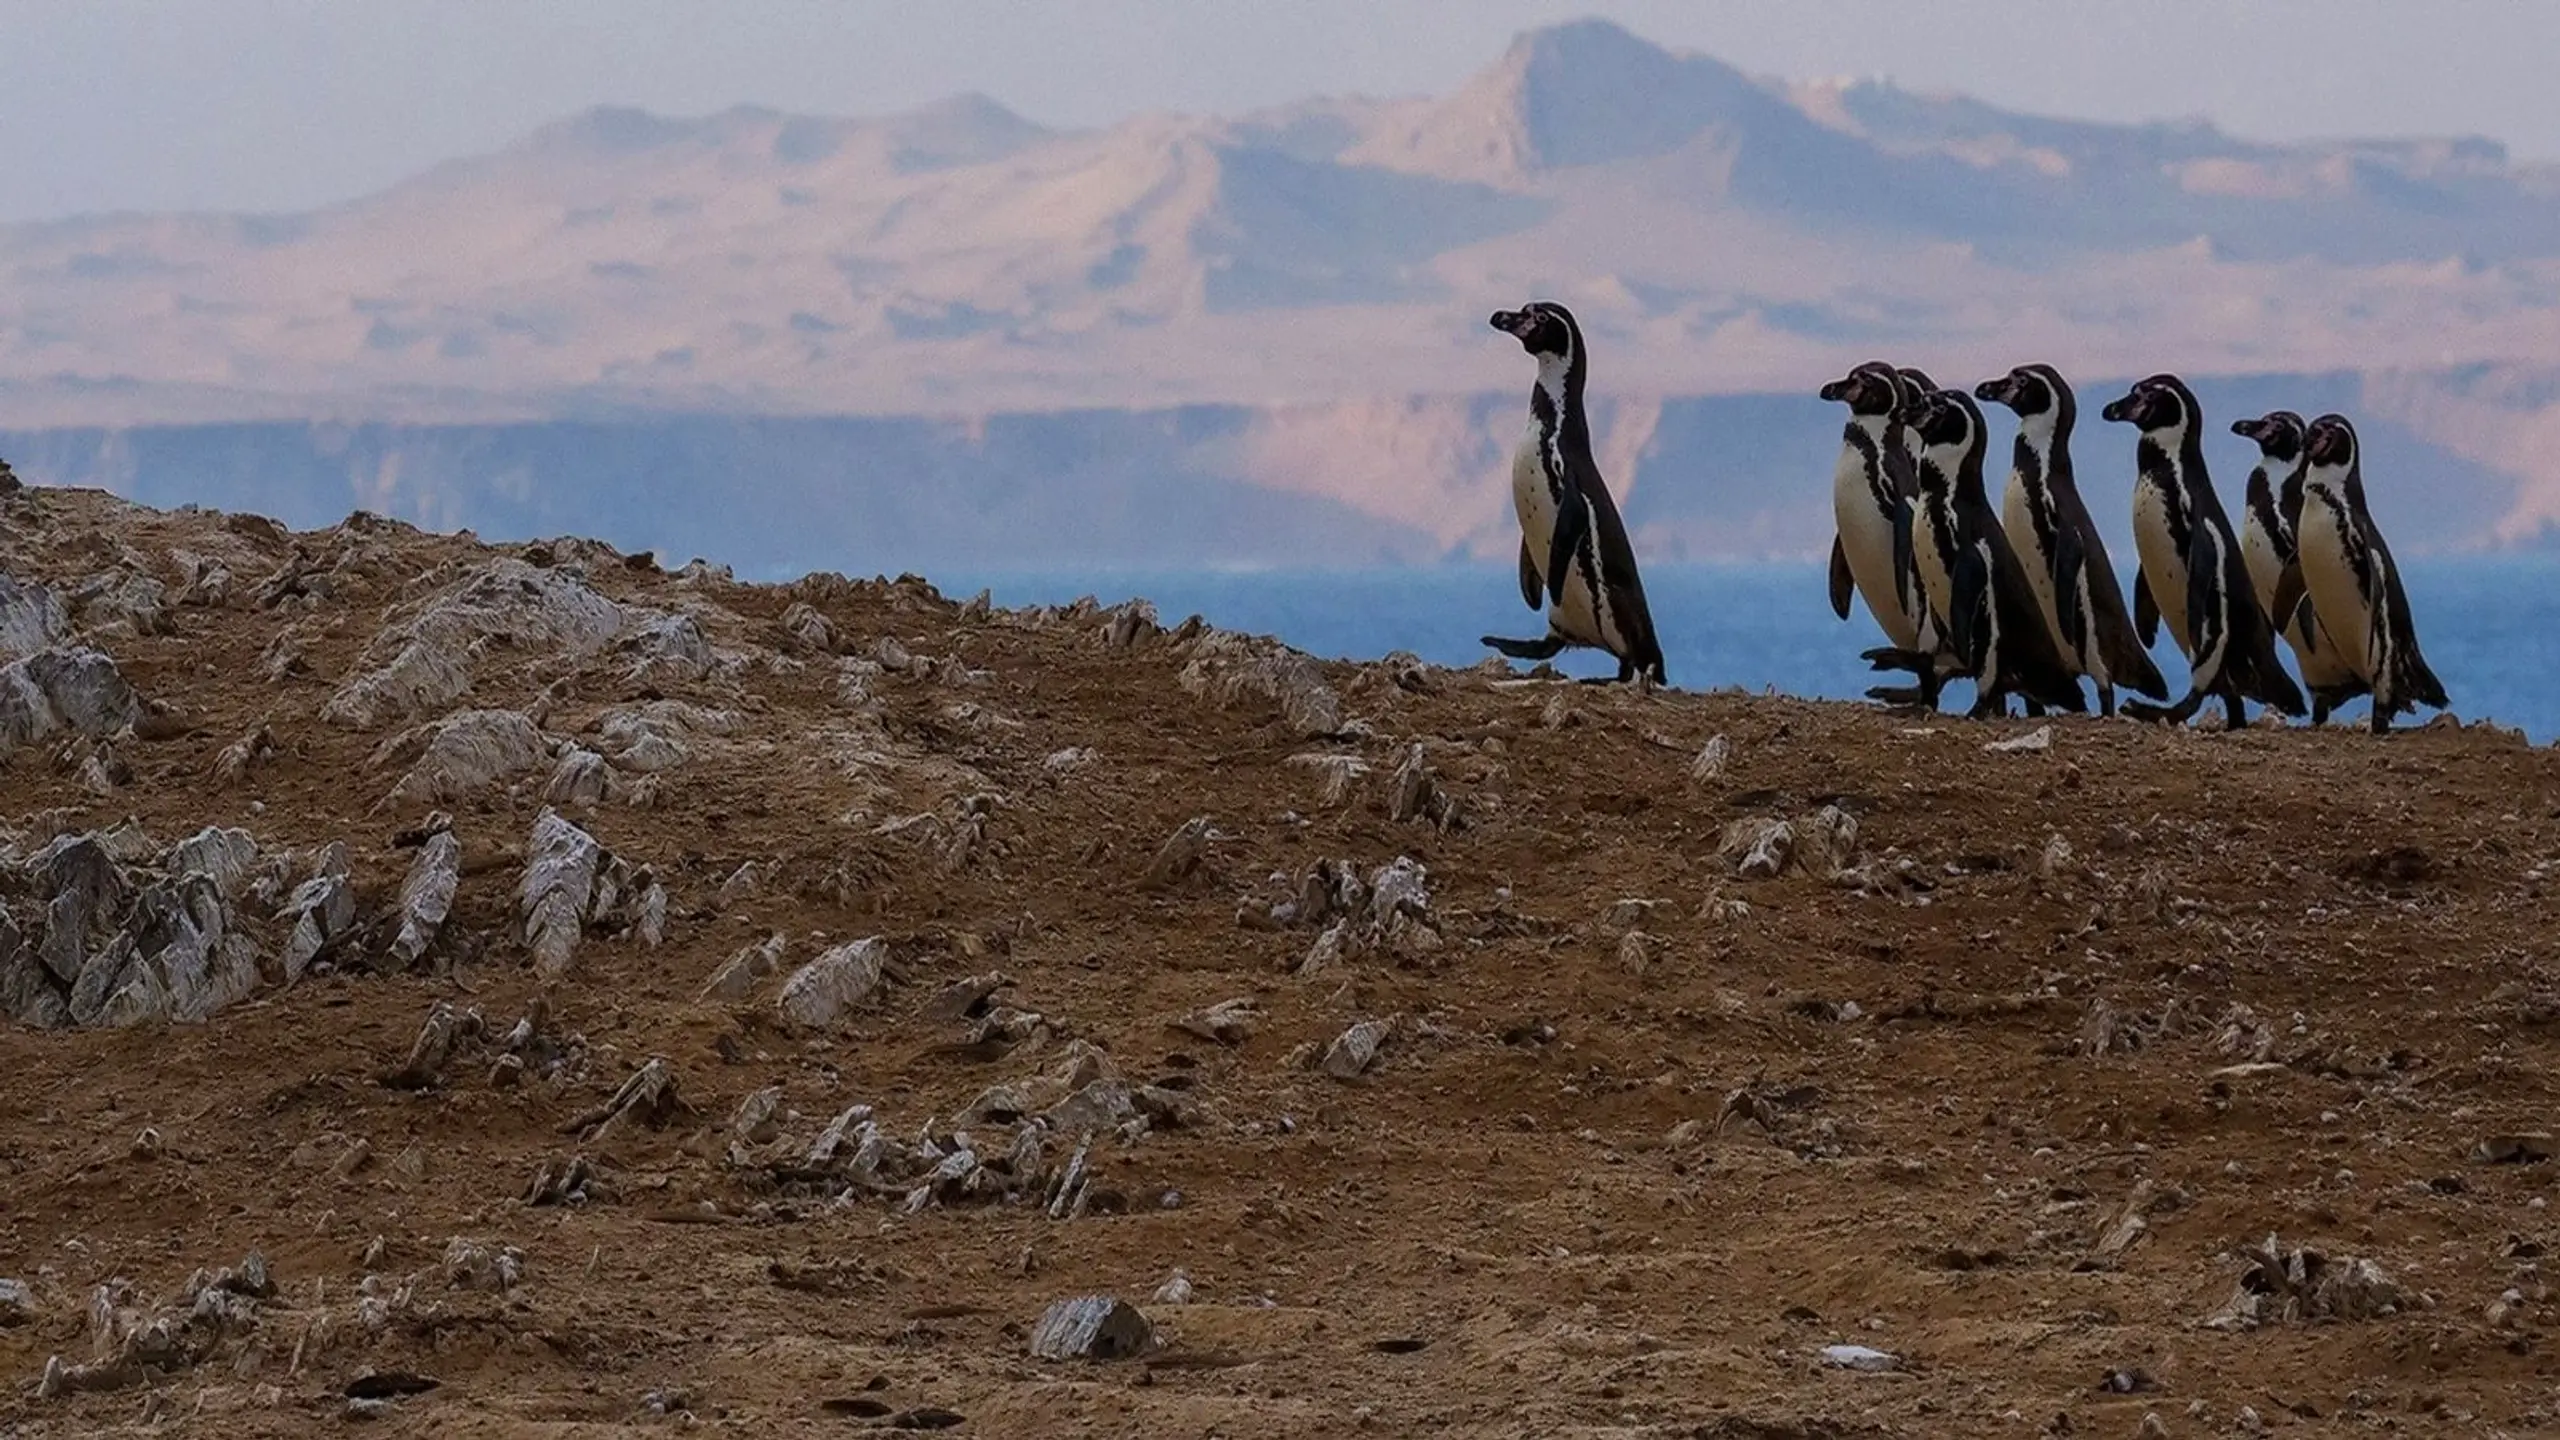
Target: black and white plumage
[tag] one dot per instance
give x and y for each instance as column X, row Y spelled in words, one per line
column 2269, row 517
column 2049, row 526
column 2192, row 574
column 2344, row 577
column 1575, row 559
column 1978, row 593
column 1871, row 499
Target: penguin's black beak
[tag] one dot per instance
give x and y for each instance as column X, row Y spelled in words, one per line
column 1510, row 322
column 1836, row 390
column 1999, row 391
column 2118, row 410
column 2254, row 429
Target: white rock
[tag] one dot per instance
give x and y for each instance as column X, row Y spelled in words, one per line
column 226, row 856
column 427, row 659
column 426, row 896
column 322, row 910
column 66, row 688
column 818, row 993
column 2040, row 738
column 559, row 887
column 463, row 756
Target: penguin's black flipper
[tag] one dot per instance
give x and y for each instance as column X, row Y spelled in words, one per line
column 2146, row 612
column 1530, row 590
column 1841, row 582
column 1902, row 566
column 1973, row 598
column 1573, row 525
column 2069, row 561
column 1545, row 648
column 2288, row 596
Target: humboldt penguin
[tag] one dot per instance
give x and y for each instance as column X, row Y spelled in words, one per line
column 2191, row 572
column 2050, row 527
column 2344, row 576
column 2268, row 520
column 1575, row 560
column 1871, row 499
column 1978, row 593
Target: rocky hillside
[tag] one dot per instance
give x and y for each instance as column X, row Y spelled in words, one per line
column 529, row 989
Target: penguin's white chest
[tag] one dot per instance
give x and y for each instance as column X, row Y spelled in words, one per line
column 2164, row 567
column 1866, row 541
column 2018, row 522
column 2258, row 552
column 1573, row 616
column 2341, row 609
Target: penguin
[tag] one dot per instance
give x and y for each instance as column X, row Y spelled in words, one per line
column 2343, row 575
column 2268, row 518
column 2192, row 574
column 1871, row 498
column 2050, row 527
column 1978, row 592
column 1575, row 560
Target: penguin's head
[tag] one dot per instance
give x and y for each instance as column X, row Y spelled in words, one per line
column 2331, row 443
column 1944, row 419
column 2279, row 433
column 2162, row 402
column 1871, row 389
column 2030, row 390
column 1543, row 328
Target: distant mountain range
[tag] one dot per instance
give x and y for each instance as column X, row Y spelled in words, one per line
column 1305, row 288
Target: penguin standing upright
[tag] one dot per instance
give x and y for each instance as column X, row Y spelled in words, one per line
column 2050, row 527
column 2192, row 574
column 2268, row 519
column 1575, row 560
column 2345, row 572
column 1871, row 499
column 1978, row 593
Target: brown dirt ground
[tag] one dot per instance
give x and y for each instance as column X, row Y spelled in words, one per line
column 1929, row 1174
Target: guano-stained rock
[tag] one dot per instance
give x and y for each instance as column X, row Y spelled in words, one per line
column 462, row 756
column 559, row 886
column 819, row 993
column 426, row 897
column 72, row 689
column 1092, row 1327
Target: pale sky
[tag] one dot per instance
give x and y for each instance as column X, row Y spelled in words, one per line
column 268, row 105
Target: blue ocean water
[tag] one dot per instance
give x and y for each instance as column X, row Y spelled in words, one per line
column 2488, row 623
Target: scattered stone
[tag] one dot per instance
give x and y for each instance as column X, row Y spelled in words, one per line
column 1418, row 795
column 479, row 1265
column 426, row 661
column 226, row 857
column 821, row 991
column 1229, row 1022
column 1131, row 622
column 1283, row 677
column 1399, row 888
column 964, row 997
column 32, row 618
column 1709, row 766
column 426, row 897
column 563, row 1180
column 1631, row 912
column 1860, row 1357
column 745, row 971
column 69, row 688
column 1334, row 773
column 237, row 759
column 1635, row 953
column 17, row 1302
column 1174, row 1291
column 1759, row 848
column 1558, row 713
column 2529, row 1148
column 461, row 757
column 322, row 910
column 807, row 628
column 2040, row 738
column 1827, row 842
column 1180, row 857
column 580, row 781
column 444, row 1030
column 559, row 885
column 1355, row 1049
column 648, row 1098
column 1092, row 1327
column 2280, row 1284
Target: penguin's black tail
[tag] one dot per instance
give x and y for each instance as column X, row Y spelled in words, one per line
column 2425, row 688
